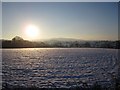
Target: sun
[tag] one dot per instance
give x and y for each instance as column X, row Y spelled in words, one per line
column 32, row 31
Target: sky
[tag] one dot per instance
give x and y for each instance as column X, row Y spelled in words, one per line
column 86, row 21
column 0, row 19
column 60, row 0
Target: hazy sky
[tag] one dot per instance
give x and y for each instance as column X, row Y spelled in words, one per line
column 0, row 20
column 88, row 21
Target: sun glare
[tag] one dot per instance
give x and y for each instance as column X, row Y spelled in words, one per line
column 32, row 31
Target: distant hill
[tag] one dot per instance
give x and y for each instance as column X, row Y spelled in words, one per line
column 65, row 39
column 18, row 42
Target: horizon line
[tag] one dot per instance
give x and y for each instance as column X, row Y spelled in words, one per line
column 66, row 40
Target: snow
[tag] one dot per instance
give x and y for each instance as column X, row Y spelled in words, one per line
column 58, row 67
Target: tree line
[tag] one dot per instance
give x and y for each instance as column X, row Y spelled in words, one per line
column 18, row 42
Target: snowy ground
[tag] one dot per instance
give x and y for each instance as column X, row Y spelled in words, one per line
column 58, row 67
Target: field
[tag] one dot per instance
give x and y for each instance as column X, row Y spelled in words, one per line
column 59, row 67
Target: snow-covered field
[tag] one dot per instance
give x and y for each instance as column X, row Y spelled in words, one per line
column 58, row 67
